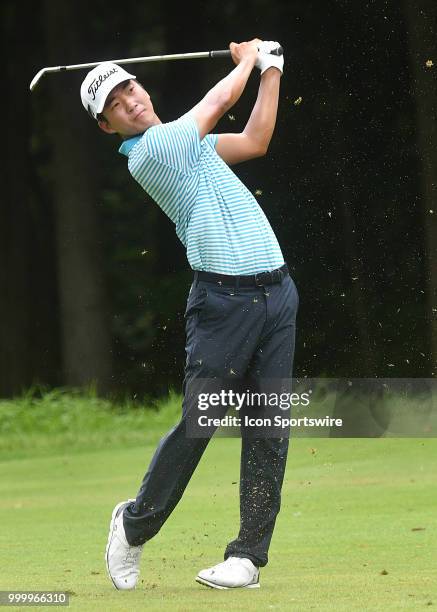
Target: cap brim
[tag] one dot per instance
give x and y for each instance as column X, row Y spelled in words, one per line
column 125, row 76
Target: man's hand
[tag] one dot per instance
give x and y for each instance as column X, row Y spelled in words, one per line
column 245, row 50
column 266, row 60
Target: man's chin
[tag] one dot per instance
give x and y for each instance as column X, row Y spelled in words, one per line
column 141, row 123
column 139, row 126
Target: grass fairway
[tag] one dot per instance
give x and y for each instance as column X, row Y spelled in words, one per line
column 357, row 530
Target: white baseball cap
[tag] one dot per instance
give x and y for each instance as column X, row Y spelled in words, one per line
column 98, row 83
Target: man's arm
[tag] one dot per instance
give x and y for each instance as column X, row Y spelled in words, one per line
column 254, row 140
column 227, row 91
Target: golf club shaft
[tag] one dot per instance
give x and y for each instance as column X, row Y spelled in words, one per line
column 138, row 60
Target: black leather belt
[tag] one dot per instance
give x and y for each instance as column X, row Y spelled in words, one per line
column 252, row 280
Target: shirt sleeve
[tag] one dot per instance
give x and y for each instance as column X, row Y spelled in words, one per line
column 211, row 140
column 175, row 144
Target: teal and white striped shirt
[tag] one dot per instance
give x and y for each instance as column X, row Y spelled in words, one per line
column 217, row 219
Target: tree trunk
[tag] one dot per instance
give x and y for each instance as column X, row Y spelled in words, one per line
column 421, row 25
column 85, row 336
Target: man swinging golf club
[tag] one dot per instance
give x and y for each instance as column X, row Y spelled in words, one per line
column 241, row 309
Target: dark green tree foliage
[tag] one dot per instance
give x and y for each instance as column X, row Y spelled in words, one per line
column 341, row 185
column 421, row 25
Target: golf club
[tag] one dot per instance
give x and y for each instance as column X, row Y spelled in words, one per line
column 139, row 60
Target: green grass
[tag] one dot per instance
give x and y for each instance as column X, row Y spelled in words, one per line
column 66, row 421
column 357, row 529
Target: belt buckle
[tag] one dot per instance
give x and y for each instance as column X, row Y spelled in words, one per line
column 274, row 276
column 259, row 281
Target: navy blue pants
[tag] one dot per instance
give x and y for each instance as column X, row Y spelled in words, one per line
column 230, row 331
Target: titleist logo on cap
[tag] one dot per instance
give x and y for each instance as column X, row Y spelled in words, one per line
column 95, row 84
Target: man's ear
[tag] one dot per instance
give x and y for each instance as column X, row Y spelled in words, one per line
column 104, row 125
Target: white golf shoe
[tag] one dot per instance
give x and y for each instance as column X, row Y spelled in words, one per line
column 122, row 559
column 231, row 574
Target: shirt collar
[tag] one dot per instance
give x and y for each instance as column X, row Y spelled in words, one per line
column 128, row 144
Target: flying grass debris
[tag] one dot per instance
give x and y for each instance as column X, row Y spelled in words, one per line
column 429, row 63
column 298, row 101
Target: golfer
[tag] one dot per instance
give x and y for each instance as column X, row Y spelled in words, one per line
column 241, row 309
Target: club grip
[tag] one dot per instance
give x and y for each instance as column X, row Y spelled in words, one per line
column 222, row 53
column 226, row 53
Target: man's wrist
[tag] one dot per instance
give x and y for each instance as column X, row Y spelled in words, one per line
column 269, row 73
column 249, row 61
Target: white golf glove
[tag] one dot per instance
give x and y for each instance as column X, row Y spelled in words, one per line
column 265, row 59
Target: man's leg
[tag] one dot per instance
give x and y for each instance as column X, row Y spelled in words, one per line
column 136, row 521
column 263, row 459
column 170, row 470
column 223, row 328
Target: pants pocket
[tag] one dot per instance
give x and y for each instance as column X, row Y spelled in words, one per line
column 196, row 301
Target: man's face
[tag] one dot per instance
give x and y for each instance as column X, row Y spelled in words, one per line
column 128, row 110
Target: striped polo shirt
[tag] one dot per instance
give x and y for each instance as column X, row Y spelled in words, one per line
column 217, row 219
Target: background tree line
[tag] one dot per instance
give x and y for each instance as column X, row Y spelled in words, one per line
column 93, row 279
